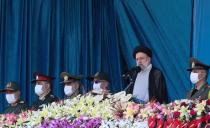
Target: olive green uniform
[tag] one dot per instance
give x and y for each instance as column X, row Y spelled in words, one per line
column 21, row 106
column 202, row 93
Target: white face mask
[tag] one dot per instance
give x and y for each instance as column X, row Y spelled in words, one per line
column 11, row 98
column 194, row 77
column 96, row 86
column 38, row 90
column 68, row 90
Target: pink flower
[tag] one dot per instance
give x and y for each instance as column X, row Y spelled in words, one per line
column 159, row 116
column 192, row 113
column 11, row 119
column 193, row 105
column 176, row 114
column 158, row 106
column 134, row 106
column 118, row 115
column 152, row 122
column 61, row 102
column 208, row 102
column 23, row 115
column 183, row 104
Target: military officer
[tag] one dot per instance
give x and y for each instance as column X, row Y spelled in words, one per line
column 72, row 84
column 198, row 77
column 100, row 83
column 16, row 105
column 42, row 89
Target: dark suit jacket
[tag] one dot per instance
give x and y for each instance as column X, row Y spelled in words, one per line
column 157, row 85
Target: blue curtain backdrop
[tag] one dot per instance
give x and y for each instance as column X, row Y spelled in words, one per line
column 201, row 35
column 86, row 36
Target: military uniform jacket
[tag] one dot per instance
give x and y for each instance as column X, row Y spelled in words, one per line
column 21, row 106
column 202, row 93
column 49, row 98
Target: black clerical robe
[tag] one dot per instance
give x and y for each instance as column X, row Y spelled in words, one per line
column 157, row 85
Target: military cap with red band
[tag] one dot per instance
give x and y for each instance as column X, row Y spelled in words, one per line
column 42, row 77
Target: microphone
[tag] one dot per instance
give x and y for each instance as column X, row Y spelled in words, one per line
column 137, row 69
column 129, row 76
column 125, row 76
column 132, row 71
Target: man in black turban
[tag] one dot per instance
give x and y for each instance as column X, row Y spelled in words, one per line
column 149, row 82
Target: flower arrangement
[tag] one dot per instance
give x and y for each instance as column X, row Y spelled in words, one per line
column 115, row 111
column 183, row 113
column 132, row 110
column 79, row 106
column 124, row 123
column 55, row 123
column 8, row 120
column 82, row 122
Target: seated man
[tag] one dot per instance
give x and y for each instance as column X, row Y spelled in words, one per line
column 16, row 106
column 198, row 76
column 43, row 90
column 100, row 83
column 71, row 84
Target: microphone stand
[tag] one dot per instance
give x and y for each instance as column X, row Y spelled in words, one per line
column 130, row 83
column 129, row 75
